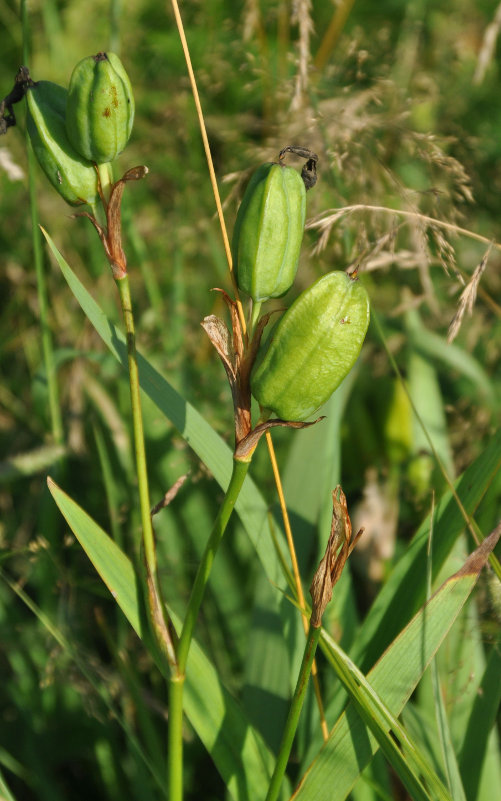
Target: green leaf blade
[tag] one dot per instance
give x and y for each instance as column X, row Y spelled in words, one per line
column 240, row 754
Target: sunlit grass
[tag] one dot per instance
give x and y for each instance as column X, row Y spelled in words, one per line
column 398, row 124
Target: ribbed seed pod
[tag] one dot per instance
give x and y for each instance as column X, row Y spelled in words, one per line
column 100, row 111
column 269, row 231
column 312, row 348
column 74, row 177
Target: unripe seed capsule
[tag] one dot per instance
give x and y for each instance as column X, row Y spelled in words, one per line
column 312, row 348
column 269, row 231
column 100, row 109
column 71, row 175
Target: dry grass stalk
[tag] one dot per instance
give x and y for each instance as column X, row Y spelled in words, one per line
column 251, row 19
column 488, row 48
column 305, row 23
column 169, row 495
column 468, row 297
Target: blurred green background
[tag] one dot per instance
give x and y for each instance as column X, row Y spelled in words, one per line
column 402, row 105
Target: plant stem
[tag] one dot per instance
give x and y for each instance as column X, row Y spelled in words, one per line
column 105, row 179
column 294, row 712
column 137, row 423
column 176, row 681
column 47, row 346
column 332, row 34
column 175, row 744
column 239, row 472
column 256, row 309
column 297, row 578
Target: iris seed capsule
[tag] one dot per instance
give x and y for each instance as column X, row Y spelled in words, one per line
column 269, row 231
column 100, row 109
column 312, row 348
column 71, row 175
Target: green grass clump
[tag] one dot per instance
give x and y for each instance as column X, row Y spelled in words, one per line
column 400, row 104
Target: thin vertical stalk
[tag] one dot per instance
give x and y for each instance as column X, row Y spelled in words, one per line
column 137, row 424
column 175, row 742
column 47, row 346
column 115, row 15
column 297, row 579
column 156, row 607
column 294, row 712
column 56, row 419
column 239, row 472
column 208, row 155
column 333, row 33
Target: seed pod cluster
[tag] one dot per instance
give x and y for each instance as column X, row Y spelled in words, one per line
column 312, row 348
column 269, row 231
column 100, row 111
column 73, row 130
column 73, row 176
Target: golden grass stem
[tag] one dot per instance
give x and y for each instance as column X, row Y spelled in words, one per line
column 332, row 33
column 210, row 164
column 297, row 579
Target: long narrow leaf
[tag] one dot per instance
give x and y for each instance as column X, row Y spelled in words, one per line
column 239, row 753
column 403, row 754
column 200, row 436
column 481, row 723
column 5, row 793
column 351, row 746
column 405, row 590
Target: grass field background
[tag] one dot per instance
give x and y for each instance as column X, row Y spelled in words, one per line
column 401, row 102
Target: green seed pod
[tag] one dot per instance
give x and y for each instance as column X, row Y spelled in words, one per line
column 312, row 348
column 100, row 109
column 74, row 177
column 269, row 231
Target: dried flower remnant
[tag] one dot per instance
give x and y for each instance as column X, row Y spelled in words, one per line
column 111, row 236
column 339, row 547
column 238, row 359
column 22, row 82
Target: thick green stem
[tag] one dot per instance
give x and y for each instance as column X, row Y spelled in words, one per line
column 294, row 712
column 176, row 682
column 175, row 747
column 240, row 469
column 256, row 309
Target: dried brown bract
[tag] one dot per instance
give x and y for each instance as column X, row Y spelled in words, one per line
column 339, row 547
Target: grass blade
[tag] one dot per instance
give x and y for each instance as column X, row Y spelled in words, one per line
column 405, row 589
column 201, row 437
column 481, row 723
column 351, row 745
column 5, row 793
column 239, row 753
